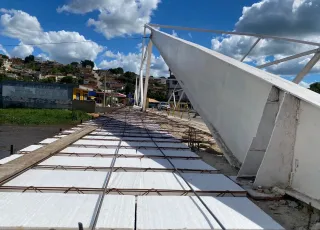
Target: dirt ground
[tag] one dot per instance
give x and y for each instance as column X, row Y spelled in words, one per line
column 23, row 136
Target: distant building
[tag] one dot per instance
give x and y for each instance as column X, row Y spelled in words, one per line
column 161, row 80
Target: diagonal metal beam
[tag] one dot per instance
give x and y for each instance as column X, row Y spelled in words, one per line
column 289, row 58
column 244, row 57
column 307, row 68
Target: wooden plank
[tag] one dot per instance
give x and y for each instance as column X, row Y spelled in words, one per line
column 18, row 165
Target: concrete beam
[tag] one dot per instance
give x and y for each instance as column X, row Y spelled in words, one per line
column 260, row 142
column 276, row 166
column 28, row 160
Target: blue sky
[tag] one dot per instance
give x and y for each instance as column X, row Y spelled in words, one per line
column 115, row 26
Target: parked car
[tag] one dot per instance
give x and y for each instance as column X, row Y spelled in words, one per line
column 163, row 105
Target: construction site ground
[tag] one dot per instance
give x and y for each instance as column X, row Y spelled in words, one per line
column 288, row 212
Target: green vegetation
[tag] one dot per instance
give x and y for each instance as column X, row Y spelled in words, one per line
column 87, row 62
column 315, row 87
column 29, row 59
column 41, row 116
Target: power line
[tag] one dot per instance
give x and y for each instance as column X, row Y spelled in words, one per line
column 70, row 42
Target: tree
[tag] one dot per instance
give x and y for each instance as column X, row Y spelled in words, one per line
column 315, row 87
column 74, row 64
column 87, row 62
column 118, row 70
column 29, row 59
column 68, row 80
column 4, row 56
column 1, row 62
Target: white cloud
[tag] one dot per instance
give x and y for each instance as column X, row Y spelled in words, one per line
column 304, row 84
column 190, row 35
column 3, row 50
column 110, row 54
column 288, row 18
column 116, row 17
column 22, row 51
column 20, row 25
column 174, row 33
column 43, row 56
column 131, row 62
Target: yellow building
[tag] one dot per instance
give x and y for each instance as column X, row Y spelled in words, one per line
column 81, row 93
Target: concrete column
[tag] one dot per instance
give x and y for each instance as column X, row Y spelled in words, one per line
column 146, row 83
column 276, row 165
column 258, row 147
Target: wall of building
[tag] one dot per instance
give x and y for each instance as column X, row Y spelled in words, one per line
column 18, row 94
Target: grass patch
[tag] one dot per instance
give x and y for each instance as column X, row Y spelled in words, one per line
column 41, row 116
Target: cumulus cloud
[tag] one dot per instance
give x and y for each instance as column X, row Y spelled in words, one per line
column 174, row 33
column 288, row 18
column 22, row 51
column 3, row 50
column 116, row 17
column 131, row 62
column 20, row 25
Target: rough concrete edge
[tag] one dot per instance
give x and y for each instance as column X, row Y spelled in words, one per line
column 304, row 198
column 18, row 165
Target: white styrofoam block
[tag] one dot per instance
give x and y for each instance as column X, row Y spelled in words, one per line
column 149, row 152
column 191, row 164
column 68, row 131
column 128, row 163
column 59, row 178
column 127, row 152
column 210, row 182
column 172, row 212
column 137, row 144
column 243, row 213
column 155, row 163
column 48, row 140
column 96, row 137
column 172, row 145
column 145, row 180
column 46, row 210
column 80, row 150
column 31, row 148
column 95, row 142
column 125, row 180
column 117, row 212
column 179, row 153
column 10, row 158
column 78, row 161
column 136, row 139
column 156, row 212
column 60, row 135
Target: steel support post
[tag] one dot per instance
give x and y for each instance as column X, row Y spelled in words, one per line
column 307, row 68
column 244, row 57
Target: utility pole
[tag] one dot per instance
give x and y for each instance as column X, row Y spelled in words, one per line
column 104, row 94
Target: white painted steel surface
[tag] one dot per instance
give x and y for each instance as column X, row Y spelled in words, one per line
column 107, row 151
column 10, row 158
column 156, row 212
column 59, row 178
column 45, row 210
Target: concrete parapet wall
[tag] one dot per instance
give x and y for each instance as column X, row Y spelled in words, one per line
column 266, row 125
